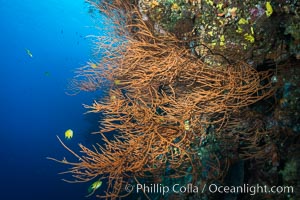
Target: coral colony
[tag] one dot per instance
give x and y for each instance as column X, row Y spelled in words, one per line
column 199, row 94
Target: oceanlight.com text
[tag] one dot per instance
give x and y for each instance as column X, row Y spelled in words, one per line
column 250, row 189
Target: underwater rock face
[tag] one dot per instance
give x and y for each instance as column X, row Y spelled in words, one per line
column 183, row 26
column 238, row 29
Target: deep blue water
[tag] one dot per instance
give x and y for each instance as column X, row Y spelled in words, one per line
column 34, row 106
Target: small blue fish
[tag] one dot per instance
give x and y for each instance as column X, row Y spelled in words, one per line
column 47, row 73
column 29, row 53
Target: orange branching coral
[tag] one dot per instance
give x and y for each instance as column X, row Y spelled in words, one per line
column 168, row 76
column 89, row 81
column 161, row 101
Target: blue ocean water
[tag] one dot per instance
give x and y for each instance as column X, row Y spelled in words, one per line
column 34, row 105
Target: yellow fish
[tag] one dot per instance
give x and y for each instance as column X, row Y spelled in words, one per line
column 94, row 187
column 68, row 134
column 187, row 125
column 117, row 82
column 93, row 65
column 29, row 53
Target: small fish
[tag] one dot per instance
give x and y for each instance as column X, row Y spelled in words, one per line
column 187, row 125
column 29, row 53
column 93, row 65
column 94, row 187
column 47, row 73
column 117, row 82
column 68, row 134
